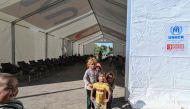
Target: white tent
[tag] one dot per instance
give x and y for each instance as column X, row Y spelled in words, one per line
column 159, row 75
column 157, row 48
column 38, row 29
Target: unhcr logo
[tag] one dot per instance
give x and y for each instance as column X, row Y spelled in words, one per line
column 176, row 30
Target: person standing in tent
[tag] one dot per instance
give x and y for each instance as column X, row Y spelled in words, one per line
column 98, row 67
column 100, row 55
column 90, row 77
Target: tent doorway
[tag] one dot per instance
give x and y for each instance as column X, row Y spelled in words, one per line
column 104, row 49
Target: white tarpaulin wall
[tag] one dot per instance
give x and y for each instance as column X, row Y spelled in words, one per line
column 159, row 78
column 5, row 42
column 67, row 48
column 54, row 47
column 29, row 44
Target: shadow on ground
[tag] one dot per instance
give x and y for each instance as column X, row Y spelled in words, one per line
column 48, row 93
column 121, row 103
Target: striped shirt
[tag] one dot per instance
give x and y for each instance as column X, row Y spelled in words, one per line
column 90, row 77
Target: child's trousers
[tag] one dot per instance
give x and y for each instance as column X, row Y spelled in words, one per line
column 89, row 103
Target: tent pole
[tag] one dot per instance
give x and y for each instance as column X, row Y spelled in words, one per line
column 128, row 35
column 71, row 48
column 46, row 45
column 63, row 47
column 13, row 41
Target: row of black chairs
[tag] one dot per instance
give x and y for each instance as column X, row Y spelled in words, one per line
column 40, row 68
column 9, row 68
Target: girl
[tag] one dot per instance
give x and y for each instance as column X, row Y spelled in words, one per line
column 89, row 78
column 110, row 77
column 98, row 67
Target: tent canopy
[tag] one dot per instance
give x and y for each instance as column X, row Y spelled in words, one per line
column 71, row 19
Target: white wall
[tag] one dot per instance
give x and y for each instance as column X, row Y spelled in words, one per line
column 54, row 47
column 89, row 49
column 158, row 78
column 118, row 49
column 67, row 47
column 5, row 42
column 30, row 45
column 70, row 48
column 75, row 48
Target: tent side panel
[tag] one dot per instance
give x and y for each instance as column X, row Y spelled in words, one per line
column 54, row 47
column 30, row 45
column 5, row 42
column 159, row 78
column 89, row 49
column 39, row 45
column 69, row 48
column 118, row 49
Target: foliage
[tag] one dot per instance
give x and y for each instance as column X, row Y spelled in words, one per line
column 104, row 49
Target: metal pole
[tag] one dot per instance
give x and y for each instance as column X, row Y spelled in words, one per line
column 13, row 41
column 82, row 49
column 63, row 47
column 46, row 45
column 128, row 35
column 71, row 48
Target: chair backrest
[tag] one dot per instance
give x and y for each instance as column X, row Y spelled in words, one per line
column 10, row 68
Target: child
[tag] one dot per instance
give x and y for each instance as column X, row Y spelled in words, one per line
column 110, row 77
column 89, row 78
column 100, row 56
column 101, row 89
column 8, row 92
column 98, row 67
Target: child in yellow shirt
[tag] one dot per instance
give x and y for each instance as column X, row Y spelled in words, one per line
column 101, row 89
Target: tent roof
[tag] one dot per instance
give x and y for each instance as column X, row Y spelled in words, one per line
column 72, row 19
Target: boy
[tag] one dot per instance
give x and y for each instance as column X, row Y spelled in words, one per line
column 101, row 89
column 8, row 92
